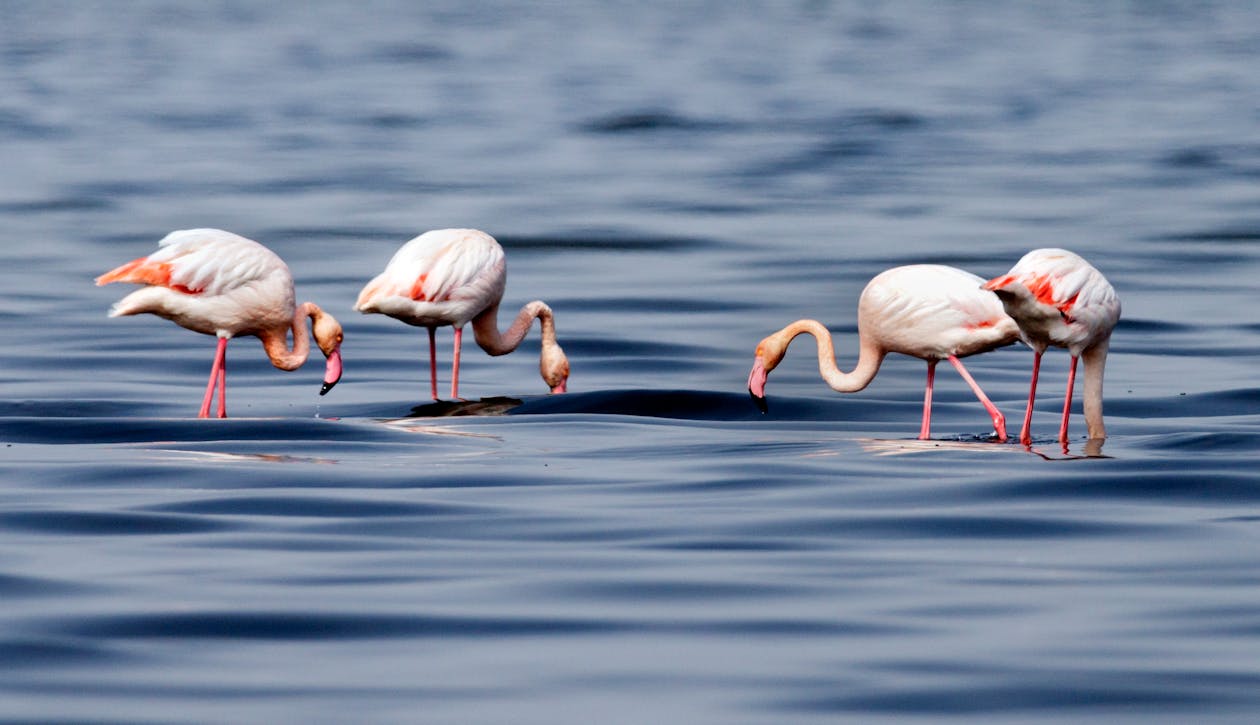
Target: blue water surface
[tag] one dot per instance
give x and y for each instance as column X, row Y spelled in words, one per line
column 677, row 181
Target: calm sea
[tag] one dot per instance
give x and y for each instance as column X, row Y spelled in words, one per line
column 677, row 180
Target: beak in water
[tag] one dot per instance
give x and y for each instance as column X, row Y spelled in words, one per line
column 332, row 373
column 757, row 384
column 562, row 387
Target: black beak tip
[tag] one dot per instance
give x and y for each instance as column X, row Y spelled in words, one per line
column 327, row 386
column 760, row 402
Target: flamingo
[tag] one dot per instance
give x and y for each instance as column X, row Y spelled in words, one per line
column 928, row 311
column 1059, row 299
column 217, row 283
column 451, row 277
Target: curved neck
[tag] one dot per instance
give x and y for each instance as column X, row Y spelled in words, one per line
column 486, row 328
column 869, row 357
column 275, row 341
column 1095, row 359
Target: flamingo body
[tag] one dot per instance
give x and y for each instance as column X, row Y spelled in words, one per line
column 929, row 311
column 444, row 277
column 450, row 277
column 218, row 283
column 1060, row 300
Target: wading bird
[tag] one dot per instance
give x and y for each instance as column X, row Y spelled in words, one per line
column 450, row 277
column 928, row 311
column 1059, row 299
column 221, row 284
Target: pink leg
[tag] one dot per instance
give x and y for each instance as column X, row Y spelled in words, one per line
column 1025, row 433
column 433, row 362
column 926, row 429
column 999, row 420
column 459, row 334
column 1067, row 402
column 220, row 355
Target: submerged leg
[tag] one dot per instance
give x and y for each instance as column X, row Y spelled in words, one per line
column 216, row 368
column 999, row 420
column 1067, row 401
column 433, row 362
column 926, row 428
column 459, row 336
column 1025, row 433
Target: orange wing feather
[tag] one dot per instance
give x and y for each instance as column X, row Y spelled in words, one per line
column 144, row 271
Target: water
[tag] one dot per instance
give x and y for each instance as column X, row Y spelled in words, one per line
column 677, row 182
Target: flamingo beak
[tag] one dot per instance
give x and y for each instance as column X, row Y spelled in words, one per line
column 332, row 373
column 757, row 384
column 561, row 388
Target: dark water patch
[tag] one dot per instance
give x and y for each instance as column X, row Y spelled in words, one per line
column 358, row 180
column 500, row 405
column 822, row 156
column 1234, row 235
column 38, row 410
column 604, row 243
column 49, row 206
column 1214, row 442
column 413, row 53
column 625, row 347
column 647, row 305
column 1219, row 620
column 277, row 235
column 676, row 404
column 216, row 120
column 18, row 654
column 15, row 124
column 360, row 541
column 13, row 586
column 649, row 121
column 120, row 189
column 646, row 591
column 963, row 699
column 1152, row 484
column 66, row 430
column 946, row 527
column 100, row 523
column 1161, row 347
column 1141, row 325
column 391, row 121
column 713, row 209
column 729, row 544
column 1202, row 157
column 796, row 628
column 311, row 506
column 300, row 625
column 1216, row 403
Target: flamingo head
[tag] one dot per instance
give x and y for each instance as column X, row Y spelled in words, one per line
column 328, row 335
column 554, row 367
column 769, row 352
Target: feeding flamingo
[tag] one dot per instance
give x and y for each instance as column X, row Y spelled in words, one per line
column 928, row 311
column 452, row 277
column 221, row 284
column 1059, row 299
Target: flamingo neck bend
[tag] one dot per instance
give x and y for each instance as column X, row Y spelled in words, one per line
column 869, row 356
column 1095, row 359
column 275, row 341
column 486, row 328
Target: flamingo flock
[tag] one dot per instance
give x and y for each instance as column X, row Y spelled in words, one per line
column 218, row 283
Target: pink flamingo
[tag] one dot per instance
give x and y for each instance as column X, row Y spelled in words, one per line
column 221, row 284
column 1059, row 299
column 928, row 311
column 451, row 277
